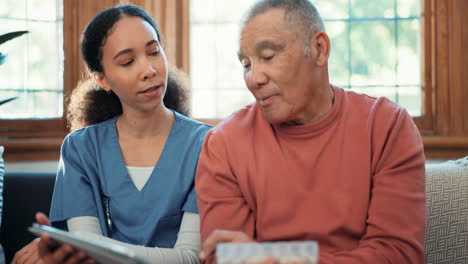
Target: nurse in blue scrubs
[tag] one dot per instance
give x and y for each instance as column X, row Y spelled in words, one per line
column 126, row 173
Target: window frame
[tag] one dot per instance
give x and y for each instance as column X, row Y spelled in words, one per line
column 445, row 134
column 35, row 140
column 441, row 23
column 444, row 123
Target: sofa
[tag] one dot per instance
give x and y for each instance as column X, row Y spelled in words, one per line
column 23, row 195
column 447, row 210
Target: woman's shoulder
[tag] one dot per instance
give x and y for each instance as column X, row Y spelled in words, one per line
column 191, row 124
column 91, row 132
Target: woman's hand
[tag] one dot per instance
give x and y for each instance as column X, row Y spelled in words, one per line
column 28, row 254
column 64, row 254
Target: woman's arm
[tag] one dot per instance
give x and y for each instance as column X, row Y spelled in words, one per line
column 185, row 250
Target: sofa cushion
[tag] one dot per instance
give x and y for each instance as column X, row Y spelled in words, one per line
column 447, row 212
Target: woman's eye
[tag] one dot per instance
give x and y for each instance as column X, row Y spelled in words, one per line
column 127, row 63
column 155, row 51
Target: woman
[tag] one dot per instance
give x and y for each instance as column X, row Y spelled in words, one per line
column 128, row 175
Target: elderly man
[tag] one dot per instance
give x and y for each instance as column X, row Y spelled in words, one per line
column 309, row 160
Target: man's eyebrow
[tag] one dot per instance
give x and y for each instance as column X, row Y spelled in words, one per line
column 240, row 55
column 261, row 46
column 149, row 43
column 268, row 45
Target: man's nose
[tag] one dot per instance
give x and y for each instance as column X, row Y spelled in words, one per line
column 258, row 75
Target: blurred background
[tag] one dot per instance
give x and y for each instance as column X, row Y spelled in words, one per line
column 410, row 51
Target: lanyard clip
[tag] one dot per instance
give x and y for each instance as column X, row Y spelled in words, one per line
column 106, row 201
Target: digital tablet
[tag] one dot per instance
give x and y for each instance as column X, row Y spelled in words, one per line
column 101, row 251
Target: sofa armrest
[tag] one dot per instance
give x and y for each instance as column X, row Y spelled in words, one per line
column 447, row 212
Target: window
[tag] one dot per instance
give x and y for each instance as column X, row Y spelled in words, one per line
column 190, row 26
column 216, row 74
column 376, row 49
column 34, row 69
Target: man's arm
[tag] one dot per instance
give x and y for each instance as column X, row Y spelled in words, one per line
column 221, row 203
column 397, row 213
column 396, row 216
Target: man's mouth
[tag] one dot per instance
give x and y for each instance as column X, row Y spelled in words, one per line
column 265, row 100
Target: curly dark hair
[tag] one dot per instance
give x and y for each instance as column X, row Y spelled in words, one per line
column 89, row 103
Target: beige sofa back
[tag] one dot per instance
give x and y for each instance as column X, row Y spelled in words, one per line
column 447, row 212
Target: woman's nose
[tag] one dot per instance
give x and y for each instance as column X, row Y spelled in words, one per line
column 148, row 70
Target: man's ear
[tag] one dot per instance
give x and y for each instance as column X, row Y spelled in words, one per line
column 101, row 80
column 320, row 47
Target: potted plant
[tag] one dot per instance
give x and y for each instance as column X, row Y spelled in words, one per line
column 4, row 38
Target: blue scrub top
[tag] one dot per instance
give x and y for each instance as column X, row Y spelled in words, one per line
column 91, row 164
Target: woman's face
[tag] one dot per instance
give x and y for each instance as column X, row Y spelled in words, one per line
column 135, row 65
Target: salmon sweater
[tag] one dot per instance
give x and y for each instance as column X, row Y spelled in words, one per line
column 353, row 181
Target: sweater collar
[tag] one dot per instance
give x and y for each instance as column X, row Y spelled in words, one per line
column 319, row 125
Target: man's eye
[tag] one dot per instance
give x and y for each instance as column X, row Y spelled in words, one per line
column 267, row 58
column 245, row 63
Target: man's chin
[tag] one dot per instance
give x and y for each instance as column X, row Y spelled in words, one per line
column 273, row 118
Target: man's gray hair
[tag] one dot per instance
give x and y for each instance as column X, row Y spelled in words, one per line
column 301, row 15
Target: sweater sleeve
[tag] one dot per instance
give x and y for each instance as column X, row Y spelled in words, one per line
column 220, row 201
column 185, row 250
column 396, row 218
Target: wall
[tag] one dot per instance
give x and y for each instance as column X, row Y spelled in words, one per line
column 36, row 166
column 51, row 166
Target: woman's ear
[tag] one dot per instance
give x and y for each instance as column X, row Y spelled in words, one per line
column 101, row 80
column 320, row 45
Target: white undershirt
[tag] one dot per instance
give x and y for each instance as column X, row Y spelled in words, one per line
column 140, row 175
column 186, row 248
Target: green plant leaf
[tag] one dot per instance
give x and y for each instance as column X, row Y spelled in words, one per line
column 3, row 58
column 8, row 36
column 6, row 100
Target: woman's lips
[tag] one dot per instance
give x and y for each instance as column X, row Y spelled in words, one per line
column 152, row 92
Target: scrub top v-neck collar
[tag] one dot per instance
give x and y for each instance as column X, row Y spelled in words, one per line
column 119, row 164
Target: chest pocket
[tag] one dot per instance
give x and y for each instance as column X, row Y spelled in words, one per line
column 167, row 230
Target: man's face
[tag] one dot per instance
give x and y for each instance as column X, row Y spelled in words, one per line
column 276, row 69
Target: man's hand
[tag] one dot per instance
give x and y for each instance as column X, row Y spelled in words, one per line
column 222, row 236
